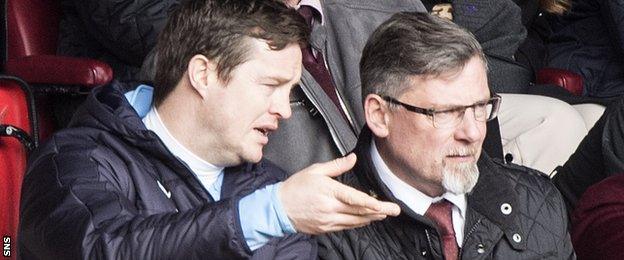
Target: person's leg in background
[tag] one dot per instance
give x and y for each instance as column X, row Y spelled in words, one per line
column 539, row 132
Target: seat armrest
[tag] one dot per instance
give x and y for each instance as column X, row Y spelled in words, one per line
column 569, row 80
column 59, row 70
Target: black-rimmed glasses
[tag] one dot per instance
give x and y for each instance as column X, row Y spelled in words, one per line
column 483, row 111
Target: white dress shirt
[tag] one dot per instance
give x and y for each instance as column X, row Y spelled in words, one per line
column 415, row 199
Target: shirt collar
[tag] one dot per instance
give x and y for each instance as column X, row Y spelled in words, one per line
column 316, row 4
column 198, row 165
column 413, row 198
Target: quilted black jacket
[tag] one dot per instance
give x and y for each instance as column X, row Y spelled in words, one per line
column 92, row 192
column 536, row 227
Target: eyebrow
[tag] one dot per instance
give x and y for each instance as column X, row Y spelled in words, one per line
column 279, row 79
column 451, row 106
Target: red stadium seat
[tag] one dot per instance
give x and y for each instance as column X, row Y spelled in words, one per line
column 569, row 80
column 32, row 35
column 30, row 64
column 16, row 112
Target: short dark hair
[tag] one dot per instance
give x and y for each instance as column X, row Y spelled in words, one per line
column 218, row 29
column 413, row 44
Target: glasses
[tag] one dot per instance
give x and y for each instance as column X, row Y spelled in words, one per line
column 483, row 111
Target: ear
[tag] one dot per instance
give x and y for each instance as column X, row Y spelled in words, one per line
column 377, row 115
column 202, row 74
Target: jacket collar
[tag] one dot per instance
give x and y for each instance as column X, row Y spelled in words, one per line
column 492, row 197
column 107, row 108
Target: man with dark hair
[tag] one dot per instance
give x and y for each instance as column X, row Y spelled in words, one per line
column 327, row 114
column 179, row 174
column 426, row 104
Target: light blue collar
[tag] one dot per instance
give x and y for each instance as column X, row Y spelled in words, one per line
column 141, row 99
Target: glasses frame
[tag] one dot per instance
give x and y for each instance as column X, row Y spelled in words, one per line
column 495, row 100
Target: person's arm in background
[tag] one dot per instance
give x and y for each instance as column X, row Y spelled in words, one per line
column 613, row 17
column 599, row 155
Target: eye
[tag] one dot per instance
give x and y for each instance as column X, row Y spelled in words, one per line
column 482, row 109
column 481, row 104
column 448, row 114
column 271, row 85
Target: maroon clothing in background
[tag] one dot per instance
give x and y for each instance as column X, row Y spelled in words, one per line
column 598, row 221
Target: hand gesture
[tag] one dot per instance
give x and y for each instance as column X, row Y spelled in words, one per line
column 315, row 203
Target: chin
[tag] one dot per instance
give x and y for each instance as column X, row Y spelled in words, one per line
column 253, row 156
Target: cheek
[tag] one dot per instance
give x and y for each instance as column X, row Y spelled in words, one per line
column 416, row 147
column 483, row 131
column 438, row 140
column 247, row 108
column 412, row 137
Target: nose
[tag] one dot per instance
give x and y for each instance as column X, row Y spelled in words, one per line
column 470, row 130
column 280, row 104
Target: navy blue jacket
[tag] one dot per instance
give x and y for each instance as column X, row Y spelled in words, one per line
column 590, row 41
column 92, row 192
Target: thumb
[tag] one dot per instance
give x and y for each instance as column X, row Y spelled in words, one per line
column 337, row 166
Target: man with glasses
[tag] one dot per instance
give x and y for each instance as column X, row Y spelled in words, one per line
column 426, row 103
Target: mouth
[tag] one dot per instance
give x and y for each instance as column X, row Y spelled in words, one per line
column 265, row 130
column 461, row 155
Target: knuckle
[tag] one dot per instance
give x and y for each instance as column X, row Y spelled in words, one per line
column 312, row 168
column 336, row 163
column 327, row 208
column 324, row 221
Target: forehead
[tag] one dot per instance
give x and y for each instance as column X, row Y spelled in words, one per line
column 463, row 87
column 284, row 64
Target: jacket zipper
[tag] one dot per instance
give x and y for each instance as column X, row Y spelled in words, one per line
column 332, row 127
column 187, row 168
column 472, row 230
column 343, row 103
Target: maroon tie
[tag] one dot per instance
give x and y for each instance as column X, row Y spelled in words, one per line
column 316, row 65
column 440, row 212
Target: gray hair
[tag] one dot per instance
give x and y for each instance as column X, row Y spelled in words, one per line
column 413, row 44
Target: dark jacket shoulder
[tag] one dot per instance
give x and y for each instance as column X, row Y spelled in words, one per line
column 112, row 189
